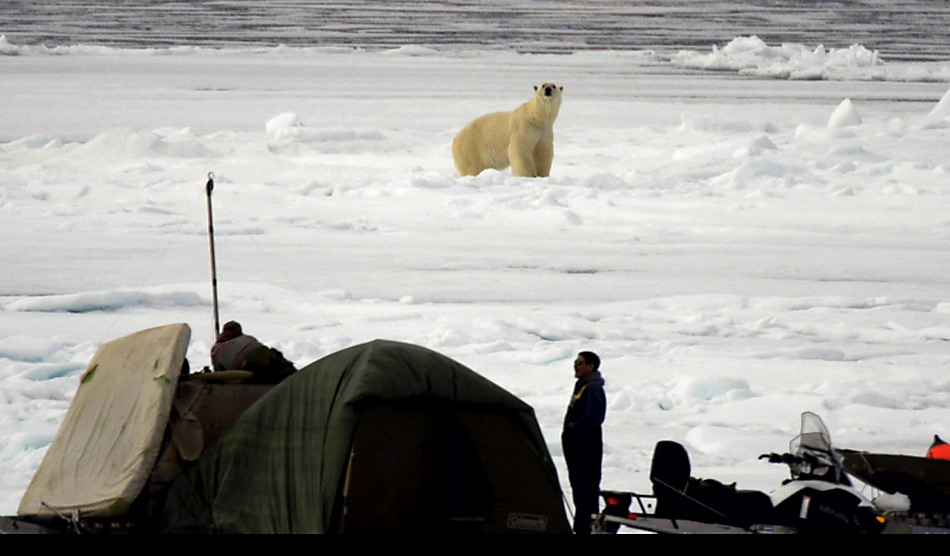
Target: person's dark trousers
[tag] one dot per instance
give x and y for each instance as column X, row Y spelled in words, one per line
column 583, row 451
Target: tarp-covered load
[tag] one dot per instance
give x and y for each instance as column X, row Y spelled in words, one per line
column 925, row 481
column 107, row 445
column 383, row 437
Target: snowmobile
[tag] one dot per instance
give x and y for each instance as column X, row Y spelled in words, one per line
column 817, row 498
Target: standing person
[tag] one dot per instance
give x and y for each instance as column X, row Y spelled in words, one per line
column 582, row 438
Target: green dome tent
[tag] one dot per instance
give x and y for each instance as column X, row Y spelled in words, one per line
column 379, row 437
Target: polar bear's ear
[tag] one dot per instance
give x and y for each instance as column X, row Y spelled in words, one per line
column 536, row 87
column 562, row 87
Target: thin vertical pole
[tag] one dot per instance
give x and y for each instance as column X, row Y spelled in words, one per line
column 214, row 273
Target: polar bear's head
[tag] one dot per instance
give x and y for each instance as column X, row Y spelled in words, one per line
column 547, row 101
column 548, row 91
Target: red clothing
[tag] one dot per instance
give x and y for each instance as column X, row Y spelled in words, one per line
column 939, row 451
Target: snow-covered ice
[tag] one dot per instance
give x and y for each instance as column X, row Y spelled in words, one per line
column 751, row 56
column 734, row 252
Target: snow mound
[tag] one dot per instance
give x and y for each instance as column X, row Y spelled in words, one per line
column 942, row 110
column 756, row 147
column 26, row 348
column 720, row 441
column 122, row 143
column 112, row 300
column 752, row 56
column 31, row 142
column 753, row 172
column 281, row 122
column 286, row 132
column 845, row 115
column 9, row 49
column 126, row 143
column 693, row 389
column 6, row 48
column 411, row 50
column 815, row 135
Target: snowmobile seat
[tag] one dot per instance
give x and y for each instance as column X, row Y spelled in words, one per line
column 680, row 496
column 670, row 467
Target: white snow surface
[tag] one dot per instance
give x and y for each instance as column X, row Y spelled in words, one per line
column 733, row 258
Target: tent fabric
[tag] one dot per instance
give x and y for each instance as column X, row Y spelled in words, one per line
column 107, row 445
column 282, row 465
column 422, row 467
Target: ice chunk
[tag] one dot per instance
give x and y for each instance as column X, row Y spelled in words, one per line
column 845, row 115
column 942, row 110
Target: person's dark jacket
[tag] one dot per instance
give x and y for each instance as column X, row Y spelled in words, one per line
column 588, row 404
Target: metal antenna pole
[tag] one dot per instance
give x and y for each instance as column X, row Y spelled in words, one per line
column 214, row 273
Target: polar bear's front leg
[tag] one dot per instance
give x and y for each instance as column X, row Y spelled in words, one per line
column 543, row 157
column 521, row 157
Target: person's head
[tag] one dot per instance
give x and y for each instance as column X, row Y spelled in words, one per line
column 230, row 331
column 585, row 363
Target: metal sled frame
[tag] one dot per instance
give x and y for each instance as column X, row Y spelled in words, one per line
column 645, row 520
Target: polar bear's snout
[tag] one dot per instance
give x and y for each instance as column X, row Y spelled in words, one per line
column 548, row 90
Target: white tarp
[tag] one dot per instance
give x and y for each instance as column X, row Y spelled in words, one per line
column 108, row 443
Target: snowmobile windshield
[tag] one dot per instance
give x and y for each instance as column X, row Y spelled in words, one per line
column 814, row 437
column 813, row 445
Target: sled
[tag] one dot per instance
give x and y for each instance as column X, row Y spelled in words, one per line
column 925, row 482
column 617, row 513
column 138, row 420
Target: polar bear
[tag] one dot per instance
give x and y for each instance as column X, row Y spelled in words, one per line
column 522, row 138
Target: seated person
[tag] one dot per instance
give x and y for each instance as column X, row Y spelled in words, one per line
column 235, row 350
